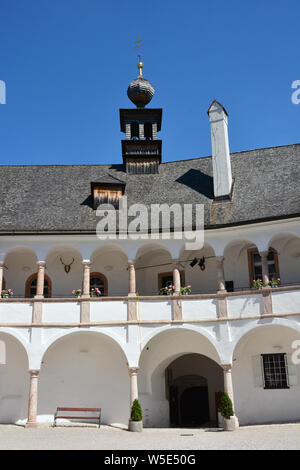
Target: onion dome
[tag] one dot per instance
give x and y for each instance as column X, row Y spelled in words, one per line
column 140, row 91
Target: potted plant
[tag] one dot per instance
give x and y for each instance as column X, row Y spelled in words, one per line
column 274, row 282
column 168, row 290
column 6, row 293
column 186, row 290
column 95, row 292
column 136, row 417
column 226, row 410
column 77, row 292
column 257, row 284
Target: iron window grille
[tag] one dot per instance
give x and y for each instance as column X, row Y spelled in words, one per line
column 275, row 371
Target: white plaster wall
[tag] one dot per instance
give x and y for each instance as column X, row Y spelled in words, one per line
column 114, row 266
column 20, row 265
column 289, row 262
column 254, row 404
column 63, row 283
column 201, row 281
column 85, row 370
column 199, row 309
column 108, row 311
column 64, row 312
column 155, row 310
column 236, row 267
column 14, row 382
column 12, row 312
column 286, row 302
column 147, row 279
column 244, row 305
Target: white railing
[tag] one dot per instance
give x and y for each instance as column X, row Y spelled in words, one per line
column 192, row 308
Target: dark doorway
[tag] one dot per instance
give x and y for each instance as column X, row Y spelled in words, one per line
column 194, row 409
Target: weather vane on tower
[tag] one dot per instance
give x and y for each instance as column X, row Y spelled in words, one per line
column 138, row 46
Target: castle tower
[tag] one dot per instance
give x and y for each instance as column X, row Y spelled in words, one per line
column 141, row 150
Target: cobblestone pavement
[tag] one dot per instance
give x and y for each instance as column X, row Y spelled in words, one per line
column 283, row 436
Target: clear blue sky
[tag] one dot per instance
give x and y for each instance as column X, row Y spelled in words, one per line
column 67, row 65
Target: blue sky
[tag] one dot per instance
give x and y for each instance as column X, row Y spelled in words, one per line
column 67, row 65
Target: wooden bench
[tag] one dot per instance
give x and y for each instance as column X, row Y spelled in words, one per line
column 79, row 415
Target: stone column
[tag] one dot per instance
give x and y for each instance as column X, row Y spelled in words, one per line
column 133, row 373
column 33, row 399
column 220, row 273
column 176, row 277
column 86, row 279
column 265, row 268
column 1, row 275
column 132, row 279
column 228, row 388
column 40, row 279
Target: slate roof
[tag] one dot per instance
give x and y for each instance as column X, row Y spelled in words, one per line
column 58, row 198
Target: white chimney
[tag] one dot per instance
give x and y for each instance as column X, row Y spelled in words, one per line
column 220, row 150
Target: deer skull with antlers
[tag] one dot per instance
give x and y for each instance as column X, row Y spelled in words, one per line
column 67, row 266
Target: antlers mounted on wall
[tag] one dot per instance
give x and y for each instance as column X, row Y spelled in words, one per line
column 67, row 266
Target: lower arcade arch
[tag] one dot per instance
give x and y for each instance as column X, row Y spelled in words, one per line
column 85, row 370
column 193, row 383
column 14, row 381
column 179, row 380
column 266, row 377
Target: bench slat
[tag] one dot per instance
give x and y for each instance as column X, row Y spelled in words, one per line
column 78, row 417
column 79, row 409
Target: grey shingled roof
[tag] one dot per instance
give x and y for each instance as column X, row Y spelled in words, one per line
column 58, row 198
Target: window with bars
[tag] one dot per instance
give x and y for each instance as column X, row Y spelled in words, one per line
column 275, row 371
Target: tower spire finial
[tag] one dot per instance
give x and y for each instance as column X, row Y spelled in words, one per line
column 138, row 47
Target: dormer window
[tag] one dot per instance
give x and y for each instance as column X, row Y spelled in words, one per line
column 107, row 194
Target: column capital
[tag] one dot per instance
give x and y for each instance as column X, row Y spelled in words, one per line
column 41, row 264
column 263, row 254
column 133, row 370
column 34, row 373
column 220, row 259
column 131, row 262
column 1, row 264
column 226, row 367
column 86, row 263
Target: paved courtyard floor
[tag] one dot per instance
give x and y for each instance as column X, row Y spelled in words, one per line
column 283, row 436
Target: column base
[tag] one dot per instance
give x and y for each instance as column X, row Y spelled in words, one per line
column 85, row 296
column 31, row 425
column 132, row 294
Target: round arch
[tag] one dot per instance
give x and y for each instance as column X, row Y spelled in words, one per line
column 63, row 334
column 14, row 378
column 109, row 248
column 85, row 369
column 246, row 331
column 100, row 281
column 196, row 354
column 33, row 278
column 154, row 269
column 201, row 332
column 265, row 377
